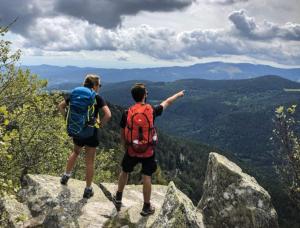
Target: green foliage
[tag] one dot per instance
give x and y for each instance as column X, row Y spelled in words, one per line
column 32, row 134
column 6, row 183
column 40, row 145
column 21, row 218
column 288, row 157
column 6, row 65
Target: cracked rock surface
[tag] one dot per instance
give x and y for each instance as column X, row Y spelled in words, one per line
column 230, row 198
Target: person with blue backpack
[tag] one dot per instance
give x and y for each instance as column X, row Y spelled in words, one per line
column 83, row 120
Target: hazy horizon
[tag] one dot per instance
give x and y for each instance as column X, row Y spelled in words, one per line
column 150, row 67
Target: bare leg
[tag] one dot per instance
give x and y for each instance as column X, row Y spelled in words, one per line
column 90, row 153
column 123, row 178
column 147, row 188
column 72, row 158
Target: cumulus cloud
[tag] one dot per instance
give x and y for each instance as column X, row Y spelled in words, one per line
column 26, row 13
column 108, row 13
column 104, row 13
column 69, row 34
column 247, row 27
column 159, row 43
column 8, row 13
column 198, row 43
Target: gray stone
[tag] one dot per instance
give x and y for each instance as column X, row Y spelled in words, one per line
column 63, row 206
column 132, row 205
column 178, row 211
column 232, row 198
column 13, row 213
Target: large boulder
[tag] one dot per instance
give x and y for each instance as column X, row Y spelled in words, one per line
column 13, row 213
column 232, row 198
column 178, row 211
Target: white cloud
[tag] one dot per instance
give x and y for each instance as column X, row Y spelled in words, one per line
column 247, row 27
column 71, row 34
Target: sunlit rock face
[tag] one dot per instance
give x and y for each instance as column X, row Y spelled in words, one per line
column 232, row 198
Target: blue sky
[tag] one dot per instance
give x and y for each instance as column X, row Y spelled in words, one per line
column 135, row 33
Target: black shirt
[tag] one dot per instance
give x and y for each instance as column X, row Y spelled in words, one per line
column 100, row 102
column 157, row 111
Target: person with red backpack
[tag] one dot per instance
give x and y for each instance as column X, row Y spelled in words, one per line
column 139, row 137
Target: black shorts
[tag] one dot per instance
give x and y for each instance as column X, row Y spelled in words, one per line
column 149, row 165
column 90, row 142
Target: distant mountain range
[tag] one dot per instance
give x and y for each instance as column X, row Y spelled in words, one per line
column 213, row 71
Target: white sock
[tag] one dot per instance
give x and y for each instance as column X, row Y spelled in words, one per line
column 68, row 174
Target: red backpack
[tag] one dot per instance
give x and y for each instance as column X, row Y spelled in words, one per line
column 140, row 134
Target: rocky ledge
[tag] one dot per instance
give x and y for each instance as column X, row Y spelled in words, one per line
column 231, row 198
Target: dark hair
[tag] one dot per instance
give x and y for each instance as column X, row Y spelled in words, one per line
column 138, row 92
column 91, row 80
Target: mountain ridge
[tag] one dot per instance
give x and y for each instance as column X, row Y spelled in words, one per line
column 213, row 71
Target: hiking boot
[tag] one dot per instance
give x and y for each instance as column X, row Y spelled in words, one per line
column 88, row 193
column 147, row 210
column 64, row 179
column 117, row 203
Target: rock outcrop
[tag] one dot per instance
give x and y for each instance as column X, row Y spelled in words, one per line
column 132, row 203
column 178, row 211
column 231, row 199
column 55, row 205
column 173, row 208
column 13, row 213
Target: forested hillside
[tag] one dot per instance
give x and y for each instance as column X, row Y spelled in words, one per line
column 231, row 115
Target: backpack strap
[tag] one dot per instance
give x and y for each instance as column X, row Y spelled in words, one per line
column 91, row 109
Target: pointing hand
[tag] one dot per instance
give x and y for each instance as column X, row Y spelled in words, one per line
column 181, row 93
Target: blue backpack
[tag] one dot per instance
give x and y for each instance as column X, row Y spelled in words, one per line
column 81, row 114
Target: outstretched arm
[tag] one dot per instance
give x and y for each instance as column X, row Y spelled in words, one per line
column 171, row 99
